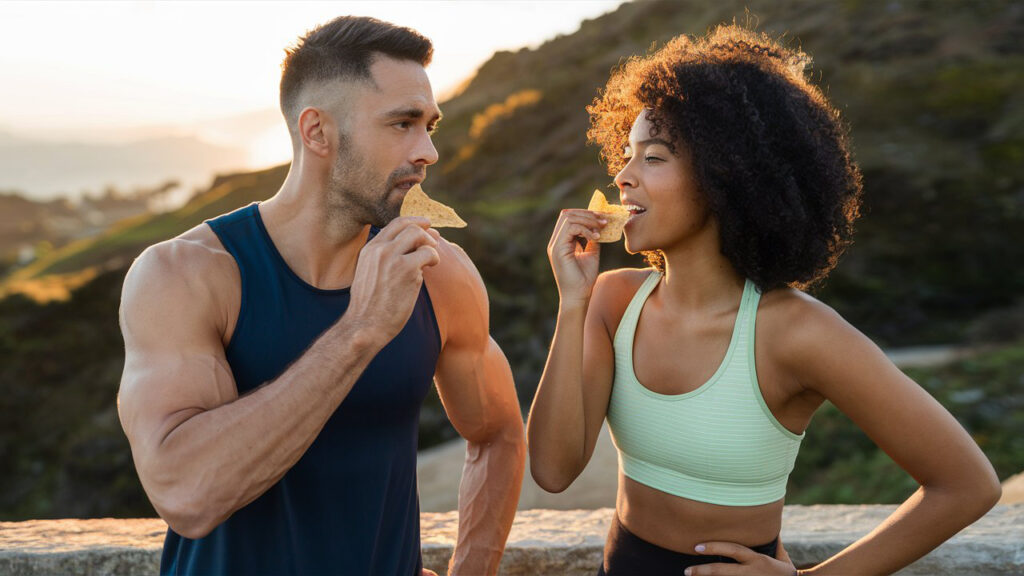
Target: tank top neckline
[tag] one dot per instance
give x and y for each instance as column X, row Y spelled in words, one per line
column 640, row 299
column 283, row 264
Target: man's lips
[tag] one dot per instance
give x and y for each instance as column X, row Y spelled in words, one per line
column 408, row 182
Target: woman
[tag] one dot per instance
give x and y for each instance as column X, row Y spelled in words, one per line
column 710, row 364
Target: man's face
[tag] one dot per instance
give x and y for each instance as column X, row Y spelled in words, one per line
column 385, row 144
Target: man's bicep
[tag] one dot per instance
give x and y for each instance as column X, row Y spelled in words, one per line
column 174, row 362
column 477, row 390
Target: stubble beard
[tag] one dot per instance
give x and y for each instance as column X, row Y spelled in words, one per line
column 351, row 195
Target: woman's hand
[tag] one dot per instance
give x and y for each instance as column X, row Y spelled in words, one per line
column 750, row 562
column 575, row 266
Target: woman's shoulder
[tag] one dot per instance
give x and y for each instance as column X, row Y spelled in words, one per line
column 619, row 283
column 794, row 322
column 613, row 292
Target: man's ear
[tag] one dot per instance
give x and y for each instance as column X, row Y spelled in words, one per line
column 315, row 131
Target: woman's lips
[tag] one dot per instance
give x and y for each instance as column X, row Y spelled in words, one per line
column 635, row 212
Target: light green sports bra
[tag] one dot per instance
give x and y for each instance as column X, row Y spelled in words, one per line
column 718, row 443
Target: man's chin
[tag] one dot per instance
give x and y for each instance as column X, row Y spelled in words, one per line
column 386, row 216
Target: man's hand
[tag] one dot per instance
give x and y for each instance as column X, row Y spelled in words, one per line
column 750, row 563
column 389, row 274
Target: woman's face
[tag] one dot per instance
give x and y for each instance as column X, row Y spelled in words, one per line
column 660, row 189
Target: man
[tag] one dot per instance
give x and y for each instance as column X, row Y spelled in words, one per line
column 277, row 356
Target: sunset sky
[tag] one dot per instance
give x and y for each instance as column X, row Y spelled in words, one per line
column 118, row 71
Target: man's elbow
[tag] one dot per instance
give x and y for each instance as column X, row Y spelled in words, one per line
column 189, row 511
column 505, row 440
column 187, row 519
column 509, row 435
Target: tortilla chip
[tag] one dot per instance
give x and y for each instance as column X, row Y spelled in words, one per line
column 615, row 215
column 417, row 203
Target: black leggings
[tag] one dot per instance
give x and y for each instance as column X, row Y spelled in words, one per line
column 626, row 554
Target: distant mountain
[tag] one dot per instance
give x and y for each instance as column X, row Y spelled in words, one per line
column 43, row 169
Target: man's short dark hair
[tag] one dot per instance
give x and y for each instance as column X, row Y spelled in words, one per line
column 344, row 48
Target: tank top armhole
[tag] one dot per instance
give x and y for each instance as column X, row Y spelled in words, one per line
column 634, row 308
column 433, row 316
column 225, row 241
column 754, row 301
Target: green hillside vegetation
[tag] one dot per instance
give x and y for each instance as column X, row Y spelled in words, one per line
column 839, row 464
column 120, row 244
column 930, row 89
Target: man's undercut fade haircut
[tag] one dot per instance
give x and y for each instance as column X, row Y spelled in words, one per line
column 344, row 48
column 771, row 155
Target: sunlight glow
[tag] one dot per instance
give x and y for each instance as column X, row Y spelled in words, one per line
column 119, row 66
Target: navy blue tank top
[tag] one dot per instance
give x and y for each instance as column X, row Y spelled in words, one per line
column 350, row 504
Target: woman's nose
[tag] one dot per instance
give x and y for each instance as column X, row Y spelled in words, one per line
column 624, row 179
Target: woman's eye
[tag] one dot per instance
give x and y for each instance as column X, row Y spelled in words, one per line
column 652, row 159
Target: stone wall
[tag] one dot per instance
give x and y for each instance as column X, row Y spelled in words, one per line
column 562, row 543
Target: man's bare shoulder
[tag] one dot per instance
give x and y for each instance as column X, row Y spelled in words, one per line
column 191, row 272
column 194, row 257
column 458, row 294
column 454, row 272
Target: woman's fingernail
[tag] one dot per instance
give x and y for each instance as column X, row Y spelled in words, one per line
column 699, row 548
column 686, row 572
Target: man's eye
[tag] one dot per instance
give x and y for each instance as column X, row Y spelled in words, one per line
column 403, row 124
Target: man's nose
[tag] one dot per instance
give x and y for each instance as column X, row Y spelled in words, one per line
column 425, row 153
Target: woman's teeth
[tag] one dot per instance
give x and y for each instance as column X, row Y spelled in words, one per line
column 634, row 209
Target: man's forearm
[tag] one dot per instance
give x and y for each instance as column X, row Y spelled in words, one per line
column 260, row 436
column 488, row 496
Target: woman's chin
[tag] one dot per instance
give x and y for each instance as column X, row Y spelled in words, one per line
column 632, row 247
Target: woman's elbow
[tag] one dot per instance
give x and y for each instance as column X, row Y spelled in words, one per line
column 549, row 476
column 979, row 495
column 549, row 483
column 991, row 493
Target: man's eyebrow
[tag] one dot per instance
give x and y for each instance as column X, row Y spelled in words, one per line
column 410, row 113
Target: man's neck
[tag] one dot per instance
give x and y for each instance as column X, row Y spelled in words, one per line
column 320, row 248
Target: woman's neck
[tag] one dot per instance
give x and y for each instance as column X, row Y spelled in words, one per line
column 699, row 276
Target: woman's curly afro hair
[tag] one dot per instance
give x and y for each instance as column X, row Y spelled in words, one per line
column 770, row 153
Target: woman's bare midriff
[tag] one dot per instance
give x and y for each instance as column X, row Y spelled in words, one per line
column 679, row 524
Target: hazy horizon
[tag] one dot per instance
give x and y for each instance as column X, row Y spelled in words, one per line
column 127, row 83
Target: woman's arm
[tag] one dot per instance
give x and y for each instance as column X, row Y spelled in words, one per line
column 564, row 421
column 958, row 485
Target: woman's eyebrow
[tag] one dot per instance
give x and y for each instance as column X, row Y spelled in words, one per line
column 652, row 141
